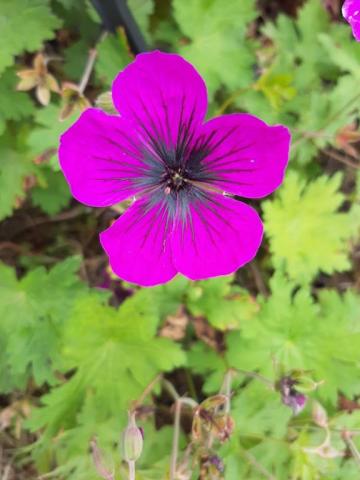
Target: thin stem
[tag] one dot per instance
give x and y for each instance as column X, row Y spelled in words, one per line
column 344, row 107
column 319, row 133
column 340, row 158
column 89, row 65
column 190, row 383
column 226, row 390
column 262, row 379
column 179, row 401
column 147, row 390
column 260, row 468
column 260, row 284
column 175, row 443
column 352, row 447
column 131, row 464
column 223, row 107
column 169, row 387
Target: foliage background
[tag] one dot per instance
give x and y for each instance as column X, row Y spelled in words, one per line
column 77, row 346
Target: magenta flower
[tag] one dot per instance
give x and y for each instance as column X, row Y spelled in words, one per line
column 178, row 168
column 351, row 13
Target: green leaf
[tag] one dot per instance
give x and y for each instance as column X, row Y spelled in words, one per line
column 14, row 167
column 276, row 87
column 45, row 137
column 307, row 233
column 13, row 105
column 33, row 311
column 218, row 47
column 116, row 355
column 53, row 193
column 24, row 25
column 298, row 46
column 224, row 305
column 204, row 361
column 344, row 53
column 296, row 333
column 75, row 59
column 142, row 9
column 113, row 56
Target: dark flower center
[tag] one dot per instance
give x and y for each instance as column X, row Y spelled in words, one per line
column 175, row 180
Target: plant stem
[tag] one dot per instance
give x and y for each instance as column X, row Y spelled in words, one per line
column 179, row 402
column 262, row 379
column 147, row 390
column 340, row 158
column 352, row 447
column 131, row 464
column 223, row 107
column 175, row 443
column 89, row 65
column 226, row 389
column 260, row 468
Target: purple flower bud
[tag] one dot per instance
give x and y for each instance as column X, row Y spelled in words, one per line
column 217, row 462
column 290, row 396
column 296, row 401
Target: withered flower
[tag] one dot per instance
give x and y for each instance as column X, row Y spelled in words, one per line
column 210, row 419
column 73, row 99
column 39, row 78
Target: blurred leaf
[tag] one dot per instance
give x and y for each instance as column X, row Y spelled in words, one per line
column 276, row 87
column 307, row 233
column 53, row 194
column 24, row 25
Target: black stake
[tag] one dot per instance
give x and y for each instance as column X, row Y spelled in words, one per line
column 116, row 13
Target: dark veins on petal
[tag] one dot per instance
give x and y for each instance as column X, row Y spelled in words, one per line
column 170, row 171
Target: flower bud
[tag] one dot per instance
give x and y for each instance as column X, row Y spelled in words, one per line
column 290, row 396
column 319, row 415
column 133, row 440
column 105, row 102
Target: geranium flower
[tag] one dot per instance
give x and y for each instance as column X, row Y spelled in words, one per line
column 160, row 151
column 351, row 13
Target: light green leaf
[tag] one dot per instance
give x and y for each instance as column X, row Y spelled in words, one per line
column 224, row 305
column 307, row 233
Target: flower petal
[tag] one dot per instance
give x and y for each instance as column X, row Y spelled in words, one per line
column 351, row 12
column 138, row 245
column 247, row 157
column 98, row 156
column 163, row 94
column 222, row 235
